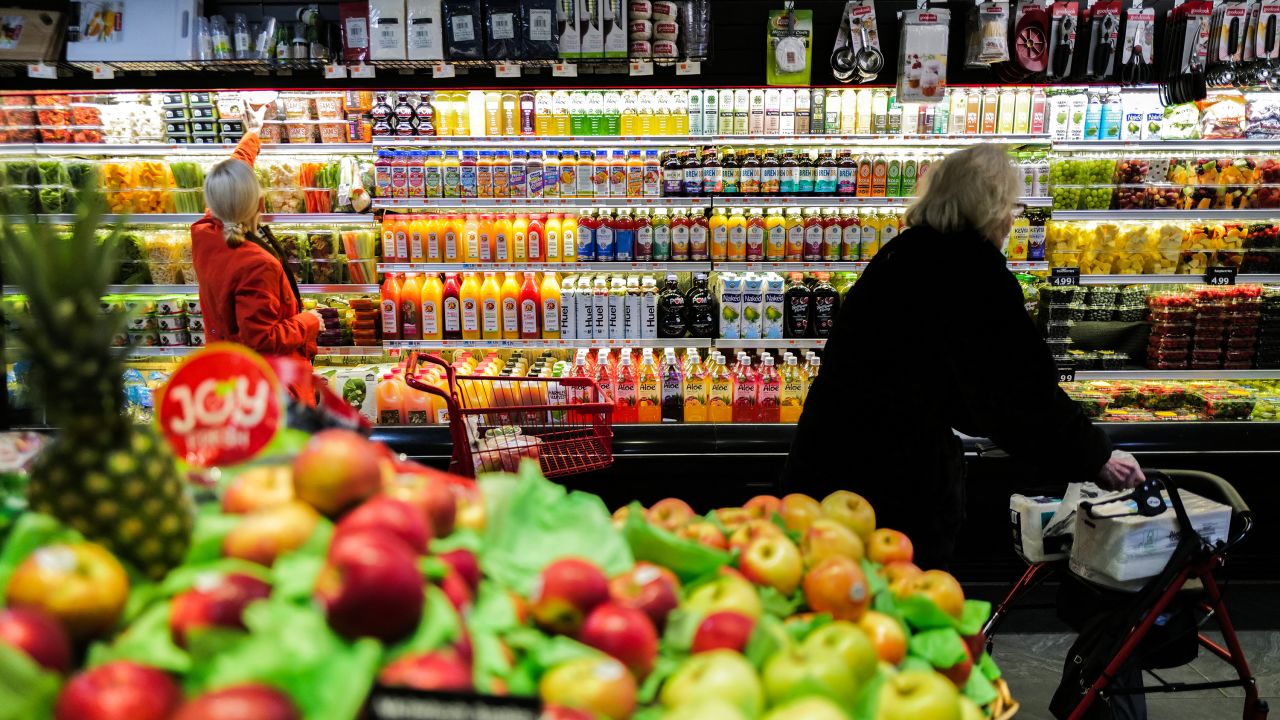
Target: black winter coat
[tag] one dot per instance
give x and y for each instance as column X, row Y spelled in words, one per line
column 933, row 337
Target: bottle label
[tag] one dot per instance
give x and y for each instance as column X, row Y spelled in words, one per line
column 390, row 317
column 770, row 179
column 432, row 182
column 712, row 180
column 755, row 241
column 795, row 243
column 851, row 237
column 500, row 247
column 528, row 317
column 824, row 314
column 831, row 241
column 550, row 315
column 402, row 244
column 553, row 245
column 430, row 318
column 846, row 180
column 604, row 242
column 452, row 315
column 826, row 179
column 776, row 247
column 804, row 179
column 470, row 315
column 510, row 319
column 490, row 311
column 737, row 241
column 415, row 246
column 798, row 314
column 693, row 181
column 534, row 241
column 813, row 242
column 450, row 245
column 485, row 248
column 697, row 242
column 644, row 242
column 662, row 242
column 750, row 183
column 409, row 319
column 680, row 243
column 417, row 180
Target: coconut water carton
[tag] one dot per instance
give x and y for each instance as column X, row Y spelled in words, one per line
column 752, row 306
column 771, row 314
column 730, row 306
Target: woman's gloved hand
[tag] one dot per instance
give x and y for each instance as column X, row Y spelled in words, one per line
column 254, row 117
column 1121, row 472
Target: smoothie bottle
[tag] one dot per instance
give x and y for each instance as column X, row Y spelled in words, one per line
column 530, row 308
column 551, row 301
column 719, row 230
column 795, row 236
column 510, row 307
column 410, row 306
column 451, row 305
column 432, row 296
column 470, row 295
column 390, row 303
column 775, row 231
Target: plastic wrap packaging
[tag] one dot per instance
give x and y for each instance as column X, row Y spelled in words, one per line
column 988, row 35
column 1262, row 115
column 922, row 56
column 426, row 33
column 241, row 40
column 695, row 19
column 204, row 39
column 386, row 30
column 463, row 30
column 538, row 22
column 221, row 38
column 264, row 47
column 1030, row 516
column 353, row 21
column 502, row 30
column 614, row 27
column 790, row 38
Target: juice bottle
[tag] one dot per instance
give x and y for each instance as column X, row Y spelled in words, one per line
column 417, row 405
column 719, row 227
column 736, row 248
column 417, row 238
column 661, row 224
column 879, row 176
column 410, row 306
column 770, row 174
column 470, row 295
column 795, row 236
column 789, row 182
column 471, row 238
column 510, row 109
column 432, row 238
column 568, row 237
column 775, row 236
column 662, row 121
column 730, row 173
column 433, row 175
column 624, row 237
column 484, row 174
column 680, row 236
column 520, row 239
column 451, row 175
column 601, row 180
column 389, row 239
column 869, row 242
column 755, row 236
column 745, row 392
column 585, row 174
column 416, row 178
column 644, row 235
column 502, row 174
column 695, row 392
column 551, row 301
column 551, row 174
column 863, row 188
column 832, row 235
column 712, row 174
column 850, row 236
column 534, row 175
column 627, row 125
column 769, row 394
column 542, row 113
column 691, row 184
column 467, row 180
column 492, row 114
column 624, row 390
column 620, row 168
column 452, row 307
column 846, row 175
column 749, row 174
column 453, row 238
column 390, row 401
column 503, row 244
column 672, row 391
column 400, row 175
column 584, row 247
column 382, row 174
column 648, row 392
column 603, row 373
column 551, row 234
column 797, row 308
column 719, row 392
column 510, row 307
column 698, row 232
column 792, row 395
column 530, row 308
column 652, row 185
column 825, row 174
column 812, row 251
column 826, row 306
column 634, row 168
column 390, row 303
column 490, row 308
column 402, row 239
column 561, row 118
column 432, row 296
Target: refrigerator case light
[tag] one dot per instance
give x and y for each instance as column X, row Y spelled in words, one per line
column 463, row 30
column 386, row 26
column 426, row 36
column 538, row 21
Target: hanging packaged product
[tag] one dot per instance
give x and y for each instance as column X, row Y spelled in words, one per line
column 988, row 35
column 386, row 27
column 591, row 24
column 1062, row 38
column 922, row 56
column 1138, row 46
column 695, row 24
column 1029, row 53
column 353, row 21
column 1226, row 42
column 1266, row 41
column 1104, row 32
column 615, row 24
column 463, row 30
column 426, row 36
column 501, row 21
column 538, row 21
column 857, row 56
column 790, row 44
column 570, row 42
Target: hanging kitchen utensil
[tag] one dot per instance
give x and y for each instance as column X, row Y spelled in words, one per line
column 1105, row 28
column 842, row 51
column 922, row 55
column 988, row 35
column 1030, row 52
column 1136, row 46
column 1064, row 16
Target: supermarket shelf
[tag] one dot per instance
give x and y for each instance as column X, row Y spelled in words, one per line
column 191, row 289
column 1193, row 145
column 151, row 149
column 350, row 351
column 1172, row 215
column 651, row 141
column 830, row 200
column 1168, row 279
column 1016, row 266
column 548, row 267
column 1178, row 374
column 483, row 203
column 188, row 218
column 772, row 343
column 546, row 344
column 161, row 351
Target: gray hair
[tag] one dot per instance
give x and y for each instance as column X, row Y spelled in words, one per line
column 973, row 189
column 232, row 193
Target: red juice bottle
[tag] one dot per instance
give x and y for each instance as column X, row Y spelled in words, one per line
column 624, row 392
column 768, row 403
column 745, row 391
column 530, row 304
column 452, row 305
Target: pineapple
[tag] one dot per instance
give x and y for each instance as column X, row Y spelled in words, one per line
column 113, row 481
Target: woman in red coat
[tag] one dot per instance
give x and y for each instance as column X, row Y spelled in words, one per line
column 248, row 294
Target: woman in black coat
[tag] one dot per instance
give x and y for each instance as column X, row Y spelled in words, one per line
column 934, row 338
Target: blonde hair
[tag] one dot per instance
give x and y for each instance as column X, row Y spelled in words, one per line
column 974, row 189
column 232, row 193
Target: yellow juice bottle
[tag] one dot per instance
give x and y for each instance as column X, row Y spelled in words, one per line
column 645, row 124
column 542, row 113
column 569, row 238
column 432, row 296
column 695, row 393
column 484, row 238
column 629, row 121
column 470, row 296
column 490, row 314
column 520, row 238
column 471, row 238
column 451, row 241
column 737, row 235
column 492, row 114
column 560, row 117
column 552, row 233
column 775, row 235
column 718, row 226
column 794, row 388
column 510, row 308
column 433, row 241
column 662, row 113
column 417, row 239
column 550, row 296
column 795, row 235
column 503, row 248
column 678, row 108
column 719, row 392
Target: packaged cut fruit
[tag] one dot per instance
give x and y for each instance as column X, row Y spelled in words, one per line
column 1112, row 360
column 1064, row 295
column 1161, row 396
column 1237, row 404
column 1084, row 359
column 1094, row 404
column 1073, row 311
column 1169, row 343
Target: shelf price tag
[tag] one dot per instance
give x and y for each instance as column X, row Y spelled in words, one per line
column 394, row 703
column 362, row 72
column 562, row 69
column 442, row 71
column 1066, row 373
column 506, row 70
column 102, row 72
column 1064, row 277
column 1220, row 276
column 641, row 68
column 689, row 67
column 335, row 72
column 42, row 71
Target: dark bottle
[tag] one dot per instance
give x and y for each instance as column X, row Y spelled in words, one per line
column 692, row 174
column 826, row 305
column 797, row 308
column 770, row 174
column 672, row 176
column 404, row 115
column 426, row 116
column 789, row 182
column 672, row 320
column 701, row 308
column 846, row 174
column 382, row 114
column 804, row 174
column 824, row 174
column 749, row 176
column 712, row 173
column 731, row 171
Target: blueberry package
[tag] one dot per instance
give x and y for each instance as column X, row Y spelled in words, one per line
column 538, row 18
column 502, row 26
column 463, row 30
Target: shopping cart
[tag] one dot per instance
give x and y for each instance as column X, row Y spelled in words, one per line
column 1187, row 580
column 494, row 422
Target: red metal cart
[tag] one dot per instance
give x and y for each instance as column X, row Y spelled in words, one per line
column 495, row 421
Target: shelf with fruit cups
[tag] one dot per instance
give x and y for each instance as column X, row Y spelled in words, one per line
column 699, row 266
column 165, row 149
column 1162, row 279
column 547, row 344
column 538, row 203
column 663, row 141
column 188, row 218
column 1143, row 374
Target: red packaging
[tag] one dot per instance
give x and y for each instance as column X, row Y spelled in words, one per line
column 353, row 19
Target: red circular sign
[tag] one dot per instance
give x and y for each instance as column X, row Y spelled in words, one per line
column 221, row 407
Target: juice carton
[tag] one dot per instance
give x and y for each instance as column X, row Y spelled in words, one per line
column 730, row 287
column 752, row 306
column 771, row 316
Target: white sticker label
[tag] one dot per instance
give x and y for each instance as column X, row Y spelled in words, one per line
column 333, row 72
column 641, row 68
column 564, row 70
column 357, row 33
column 502, row 26
column 462, row 29
column 388, row 36
column 540, row 25
column 420, row 33
column 505, row 70
column 42, row 71
column 689, row 67
column 102, row 72
column 443, row 70
column 362, row 71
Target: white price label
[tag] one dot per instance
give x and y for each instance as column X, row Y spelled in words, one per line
column 335, row 72
column 564, row 70
column 357, row 33
column 443, row 70
column 689, row 67
column 641, row 68
column 102, row 72
column 42, row 71
column 462, row 28
column 506, row 70
column 362, row 71
column 540, row 25
column 502, row 26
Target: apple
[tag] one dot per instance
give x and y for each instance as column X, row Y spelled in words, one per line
column 470, row 515
column 118, row 690
column 969, row 710
column 918, row 695
column 800, row 671
column 774, row 562
column 216, row 600
column 708, row 709
column 456, row 589
column 851, row 510
column 258, row 488
column 670, row 514
column 798, row 511
column 733, row 518
column 727, row 592
column 837, row 586
column 959, row 673
column 442, row 670
column 430, row 495
column 599, row 685
column 808, row 708
column 260, row 702
column 720, row 674
column 465, row 563
column 900, row 576
column 623, row 632
column 264, row 535
column 886, row 636
column 38, row 634
column 886, row 546
column 566, row 592
column 752, row 530
column 826, row 538
column 943, row 589
column 848, row 642
column 724, row 630
column 762, row 507
column 389, row 515
column 976, row 642
column 620, row 516
column 649, row 588
column 336, row 469
column 371, row 586
column 704, row 533
column 81, row 585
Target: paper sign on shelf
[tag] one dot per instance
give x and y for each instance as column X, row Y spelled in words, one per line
column 506, row 70
column 641, row 67
column 42, row 71
column 335, row 72
column 363, row 72
column 689, row 67
column 102, row 72
column 564, row 70
column 442, row 71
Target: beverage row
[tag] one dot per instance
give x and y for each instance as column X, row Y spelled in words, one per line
column 643, row 235
column 727, row 111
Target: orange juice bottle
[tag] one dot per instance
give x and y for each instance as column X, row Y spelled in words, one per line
column 568, row 238
column 471, row 238
column 551, row 231
column 390, row 305
column 484, row 174
column 389, row 239
column 417, row 238
column 390, row 401
column 432, row 296
column 450, row 238
column 484, row 238
column 503, row 249
column 490, row 312
column 410, row 306
column 536, row 239
column 470, row 295
column 417, row 405
column 719, row 228
column 510, row 308
column 432, row 237
column 550, row 306
column 530, row 309
column 520, row 238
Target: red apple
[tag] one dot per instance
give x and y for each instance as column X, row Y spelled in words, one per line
column 704, row 533
column 959, row 673
column 599, row 685
column 623, row 632
column 470, row 514
column 371, row 586
column 826, row 538
column 977, row 643
column 465, row 563
column 900, row 576
column 886, row 635
column 918, row 695
column 82, row 585
column 118, row 690
column 443, row 670
column 38, row 634
column 837, row 586
column 733, row 518
column 726, row 630
column 851, row 510
column 456, row 589
column 943, row 589
column 798, row 510
column 753, row 530
column 774, row 562
column 762, row 507
column 389, row 515
column 886, row 546
column 566, row 592
column 432, row 497
column 649, row 588
column 264, row 535
column 670, row 514
column 260, row 702
column 216, row 600
column 337, row 469
column 258, row 488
